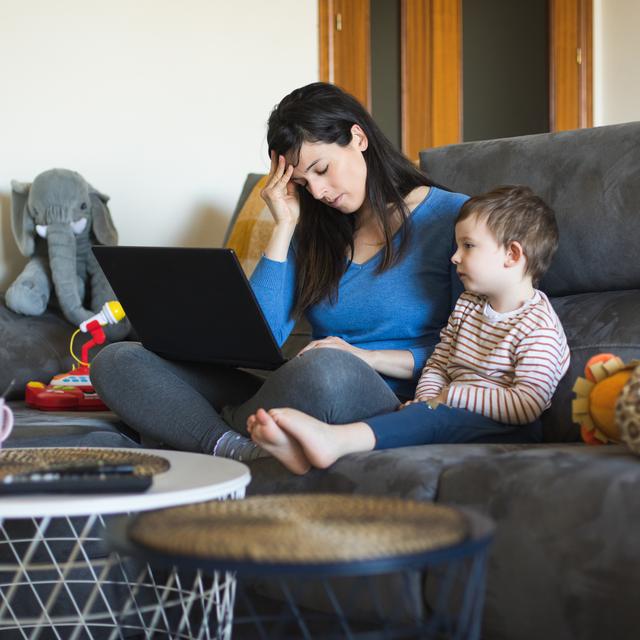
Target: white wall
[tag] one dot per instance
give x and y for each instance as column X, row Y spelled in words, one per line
column 616, row 81
column 161, row 105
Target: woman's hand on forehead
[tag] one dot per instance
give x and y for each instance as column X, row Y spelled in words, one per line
column 280, row 194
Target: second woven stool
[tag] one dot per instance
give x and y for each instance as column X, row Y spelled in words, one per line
column 326, row 565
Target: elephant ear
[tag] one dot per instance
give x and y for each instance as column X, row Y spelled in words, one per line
column 103, row 227
column 21, row 222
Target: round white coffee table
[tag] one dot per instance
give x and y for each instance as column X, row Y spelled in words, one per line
column 51, row 579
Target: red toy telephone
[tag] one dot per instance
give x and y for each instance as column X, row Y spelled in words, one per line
column 73, row 391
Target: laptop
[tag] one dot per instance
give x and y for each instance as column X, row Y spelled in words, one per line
column 191, row 304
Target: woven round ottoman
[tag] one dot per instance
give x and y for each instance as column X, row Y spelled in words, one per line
column 327, row 566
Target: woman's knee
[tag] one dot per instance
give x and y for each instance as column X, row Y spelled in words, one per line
column 114, row 361
column 324, row 371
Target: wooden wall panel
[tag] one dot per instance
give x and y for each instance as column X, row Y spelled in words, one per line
column 415, row 23
column 586, row 69
column 325, row 35
column 431, row 74
column 446, row 54
column 345, row 56
column 571, row 63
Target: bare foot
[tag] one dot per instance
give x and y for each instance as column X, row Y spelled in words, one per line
column 319, row 440
column 267, row 434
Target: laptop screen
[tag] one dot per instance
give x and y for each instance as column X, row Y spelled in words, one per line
column 191, row 304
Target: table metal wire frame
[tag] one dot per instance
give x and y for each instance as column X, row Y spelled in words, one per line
column 51, row 587
column 460, row 582
column 456, row 574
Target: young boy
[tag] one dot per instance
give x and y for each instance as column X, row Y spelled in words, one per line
column 498, row 362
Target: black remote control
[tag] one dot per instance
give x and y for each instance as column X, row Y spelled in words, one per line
column 74, row 483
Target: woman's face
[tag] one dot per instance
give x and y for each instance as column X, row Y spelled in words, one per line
column 334, row 174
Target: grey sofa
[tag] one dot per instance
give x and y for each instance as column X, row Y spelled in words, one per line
column 566, row 558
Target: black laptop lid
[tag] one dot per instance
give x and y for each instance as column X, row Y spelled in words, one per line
column 191, row 304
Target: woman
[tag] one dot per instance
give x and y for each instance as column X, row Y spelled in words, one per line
column 361, row 246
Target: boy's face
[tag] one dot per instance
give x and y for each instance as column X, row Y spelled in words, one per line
column 481, row 263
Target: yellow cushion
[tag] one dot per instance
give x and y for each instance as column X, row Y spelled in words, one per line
column 252, row 229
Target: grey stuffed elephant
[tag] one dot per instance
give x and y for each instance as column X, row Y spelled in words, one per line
column 55, row 221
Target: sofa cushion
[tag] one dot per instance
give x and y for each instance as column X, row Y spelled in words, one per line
column 248, row 188
column 590, row 177
column 34, row 348
column 563, row 563
column 248, row 235
column 605, row 322
column 251, row 225
column 33, row 428
column 409, row 472
column 31, row 348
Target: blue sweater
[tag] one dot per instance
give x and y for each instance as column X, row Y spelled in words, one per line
column 405, row 307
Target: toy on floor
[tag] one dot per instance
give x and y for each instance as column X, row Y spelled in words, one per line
column 73, row 390
column 607, row 403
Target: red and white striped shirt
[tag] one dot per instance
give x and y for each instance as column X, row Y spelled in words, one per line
column 505, row 366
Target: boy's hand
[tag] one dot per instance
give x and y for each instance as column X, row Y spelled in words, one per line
column 414, row 401
column 441, row 398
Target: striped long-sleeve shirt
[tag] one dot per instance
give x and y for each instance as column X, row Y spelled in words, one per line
column 505, row 366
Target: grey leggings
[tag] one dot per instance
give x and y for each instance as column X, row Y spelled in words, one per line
column 188, row 406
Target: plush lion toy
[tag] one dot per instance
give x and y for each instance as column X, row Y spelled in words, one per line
column 607, row 403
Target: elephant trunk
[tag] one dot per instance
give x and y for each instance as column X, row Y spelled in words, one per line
column 61, row 242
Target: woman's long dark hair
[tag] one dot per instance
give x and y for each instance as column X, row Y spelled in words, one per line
column 322, row 112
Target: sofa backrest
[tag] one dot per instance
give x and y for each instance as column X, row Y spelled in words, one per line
column 591, row 177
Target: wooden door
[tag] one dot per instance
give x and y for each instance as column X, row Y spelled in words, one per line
column 345, row 56
column 571, row 64
column 431, row 74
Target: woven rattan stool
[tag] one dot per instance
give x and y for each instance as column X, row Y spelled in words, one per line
column 306, row 564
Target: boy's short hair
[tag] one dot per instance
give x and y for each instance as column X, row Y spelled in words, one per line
column 516, row 214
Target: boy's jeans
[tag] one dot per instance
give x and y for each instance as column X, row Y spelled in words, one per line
column 419, row 424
